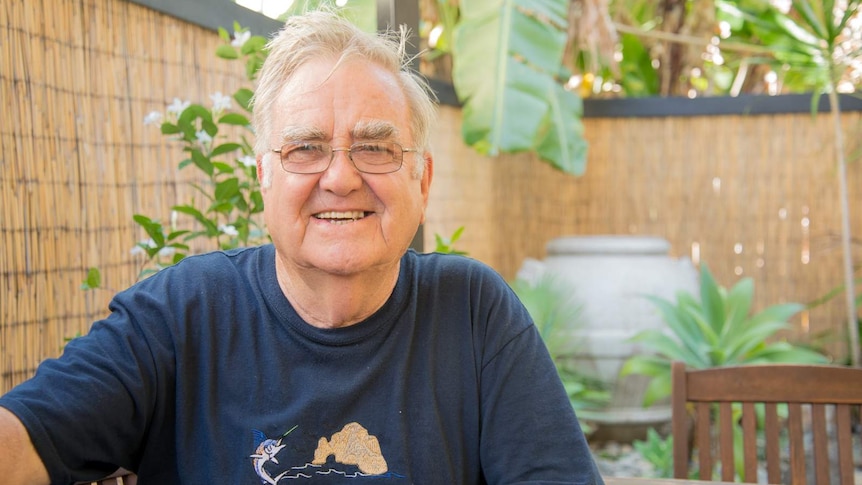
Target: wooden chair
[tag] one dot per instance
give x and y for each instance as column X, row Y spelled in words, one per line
column 809, row 388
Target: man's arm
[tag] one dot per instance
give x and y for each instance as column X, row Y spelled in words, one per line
column 19, row 462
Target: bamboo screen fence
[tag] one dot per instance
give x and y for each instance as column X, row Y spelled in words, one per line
column 755, row 194
column 749, row 195
column 78, row 78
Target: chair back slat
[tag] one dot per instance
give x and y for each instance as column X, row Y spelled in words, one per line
column 704, row 440
column 749, row 441
column 797, row 451
column 845, row 443
column 821, row 443
column 771, row 431
column 725, row 441
column 806, row 422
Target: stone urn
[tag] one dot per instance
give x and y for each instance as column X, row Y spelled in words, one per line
column 609, row 277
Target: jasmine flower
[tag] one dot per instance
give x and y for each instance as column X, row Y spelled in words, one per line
column 220, row 101
column 178, row 106
column 203, row 137
column 240, row 38
column 153, row 118
column 228, row 230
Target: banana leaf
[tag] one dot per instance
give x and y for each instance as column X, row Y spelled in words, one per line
column 508, row 74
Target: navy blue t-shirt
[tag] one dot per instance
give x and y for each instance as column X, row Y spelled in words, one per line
column 204, row 373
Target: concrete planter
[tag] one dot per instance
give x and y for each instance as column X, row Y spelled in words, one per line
column 609, row 276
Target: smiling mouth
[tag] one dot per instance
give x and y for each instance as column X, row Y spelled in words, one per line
column 341, row 217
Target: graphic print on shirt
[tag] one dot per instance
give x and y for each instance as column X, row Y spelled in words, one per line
column 356, row 454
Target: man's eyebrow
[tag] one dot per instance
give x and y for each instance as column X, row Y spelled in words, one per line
column 302, row 133
column 374, row 130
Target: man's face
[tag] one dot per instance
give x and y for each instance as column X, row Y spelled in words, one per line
column 343, row 221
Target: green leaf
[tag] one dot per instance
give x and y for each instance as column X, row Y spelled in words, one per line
column 680, row 323
column 658, row 388
column 223, row 34
column 796, row 32
column 152, row 228
column 234, row 119
column 254, row 44
column 227, row 189
column 711, row 299
column 560, row 136
column 211, row 229
column 222, row 167
column 227, row 51
column 225, row 148
column 738, row 305
column 170, row 129
column 93, row 280
column 777, row 313
column 816, row 24
column 243, row 97
column 512, row 100
column 742, row 344
column 202, row 162
column 209, row 127
column 176, row 234
column 667, row 347
column 646, row 365
column 223, row 207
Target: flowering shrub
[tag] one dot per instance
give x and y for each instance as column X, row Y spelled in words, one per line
column 215, row 143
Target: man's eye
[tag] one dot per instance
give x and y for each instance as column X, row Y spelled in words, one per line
column 372, row 147
column 308, row 147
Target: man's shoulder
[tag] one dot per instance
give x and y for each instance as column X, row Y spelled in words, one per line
column 214, row 262
column 449, row 262
column 211, row 268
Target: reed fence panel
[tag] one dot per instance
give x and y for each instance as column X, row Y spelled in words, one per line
column 750, row 195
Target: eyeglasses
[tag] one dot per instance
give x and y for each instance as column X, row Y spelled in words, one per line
column 305, row 157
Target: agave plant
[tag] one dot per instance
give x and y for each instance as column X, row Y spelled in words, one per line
column 717, row 330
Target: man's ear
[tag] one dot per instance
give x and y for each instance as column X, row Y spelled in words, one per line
column 260, row 170
column 425, row 183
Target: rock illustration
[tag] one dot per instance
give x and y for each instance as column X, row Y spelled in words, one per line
column 352, row 446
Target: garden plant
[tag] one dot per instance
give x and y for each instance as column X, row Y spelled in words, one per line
column 717, row 329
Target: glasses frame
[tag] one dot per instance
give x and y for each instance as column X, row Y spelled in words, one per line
column 349, row 150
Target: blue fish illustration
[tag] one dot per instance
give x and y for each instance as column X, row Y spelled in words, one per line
column 266, row 449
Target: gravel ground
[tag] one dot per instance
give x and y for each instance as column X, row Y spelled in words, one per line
column 620, row 460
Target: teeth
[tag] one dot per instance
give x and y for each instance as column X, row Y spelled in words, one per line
column 340, row 217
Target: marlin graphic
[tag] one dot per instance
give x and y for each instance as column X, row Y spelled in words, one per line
column 266, row 450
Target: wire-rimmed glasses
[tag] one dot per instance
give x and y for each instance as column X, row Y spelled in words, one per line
column 309, row 157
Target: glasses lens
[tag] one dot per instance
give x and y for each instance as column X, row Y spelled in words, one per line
column 305, row 157
column 379, row 157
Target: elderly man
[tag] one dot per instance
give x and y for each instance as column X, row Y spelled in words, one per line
column 334, row 353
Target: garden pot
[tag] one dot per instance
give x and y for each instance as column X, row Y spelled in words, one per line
column 609, row 277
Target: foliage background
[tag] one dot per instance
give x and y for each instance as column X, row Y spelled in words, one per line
column 748, row 194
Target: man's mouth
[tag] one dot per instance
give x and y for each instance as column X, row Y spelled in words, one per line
column 340, row 217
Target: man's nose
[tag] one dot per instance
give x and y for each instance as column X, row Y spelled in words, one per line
column 341, row 176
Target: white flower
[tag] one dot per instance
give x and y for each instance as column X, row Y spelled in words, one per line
column 178, row 106
column 220, row 101
column 228, row 229
column 248, row 161
column 136, row 250
column 153, row 118
column 240, row 38
column 203, row 137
